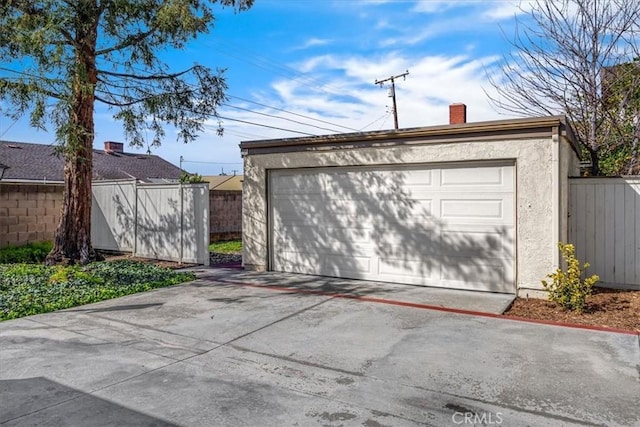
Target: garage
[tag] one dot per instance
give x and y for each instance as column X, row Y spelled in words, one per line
column 476, row 206
column 446, row 225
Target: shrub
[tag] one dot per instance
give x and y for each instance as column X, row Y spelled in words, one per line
column 27, row 289
column 568, row 287
column 191, row 178
column 29, row 253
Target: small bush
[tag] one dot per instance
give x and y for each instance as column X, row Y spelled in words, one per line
column 191, row 178
column 27, row 289
column 29, row 253
column 568, row 287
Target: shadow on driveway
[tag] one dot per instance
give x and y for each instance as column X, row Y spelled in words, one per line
column 54, row 399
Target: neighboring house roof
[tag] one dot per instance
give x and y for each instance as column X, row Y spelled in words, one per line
column 38, row 162
column 224, row 182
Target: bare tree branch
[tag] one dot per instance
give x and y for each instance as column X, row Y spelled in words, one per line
column 559, row 53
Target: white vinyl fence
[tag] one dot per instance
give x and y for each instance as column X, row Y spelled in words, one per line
column 160, row 221
column 605, row 228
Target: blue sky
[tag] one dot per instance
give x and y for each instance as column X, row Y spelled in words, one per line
column 319, row 59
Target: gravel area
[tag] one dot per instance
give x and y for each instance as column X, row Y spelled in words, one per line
column 219, row 258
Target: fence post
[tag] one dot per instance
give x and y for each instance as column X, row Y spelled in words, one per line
column 135, row 217
column 181, row 223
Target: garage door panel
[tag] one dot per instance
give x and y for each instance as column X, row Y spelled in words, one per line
column 472, row 208
column 355, row 267
column 414, row 271
column 354, row 234
column 489, row 242
column 413, row 224
column 292, row 246
column 328, row 209
column 298, row 262
column 319, row 221
column 291, row 184
column 491, row 276
column 497, row 178
column 413, row 176
column 350, row 248
column 389, row 242
column 476, row 209
column 320, row 244
column 400, row 207
column 347, row 266
column 448, row 226
column 320, row 217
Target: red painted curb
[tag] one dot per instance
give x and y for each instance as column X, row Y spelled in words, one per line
column 427, row 307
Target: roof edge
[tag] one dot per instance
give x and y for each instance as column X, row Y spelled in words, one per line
column 430, row 131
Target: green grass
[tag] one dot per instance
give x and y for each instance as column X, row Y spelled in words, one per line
column 230, row 247
column 27, row 289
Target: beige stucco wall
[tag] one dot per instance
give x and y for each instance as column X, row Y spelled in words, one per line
column 535, row 209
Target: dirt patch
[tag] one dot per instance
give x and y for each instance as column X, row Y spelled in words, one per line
column 173, row 265
column 606, row 307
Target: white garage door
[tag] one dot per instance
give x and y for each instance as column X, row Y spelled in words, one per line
column 447, row 226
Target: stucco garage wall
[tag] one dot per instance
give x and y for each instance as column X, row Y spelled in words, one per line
column 535, row 210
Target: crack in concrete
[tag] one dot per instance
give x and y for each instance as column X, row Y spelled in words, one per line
column 300, row 362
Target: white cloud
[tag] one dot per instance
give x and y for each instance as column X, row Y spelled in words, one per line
column 434, row 6
column 506, row 9
column 313, row 63
column 312, row 42
column 382, row 24
column 434, row 82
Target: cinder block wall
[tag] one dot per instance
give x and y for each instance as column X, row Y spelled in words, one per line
column 28, row 212
column 225, row 213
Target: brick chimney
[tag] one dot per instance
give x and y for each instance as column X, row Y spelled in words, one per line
column 457, row 114
column 113, row 147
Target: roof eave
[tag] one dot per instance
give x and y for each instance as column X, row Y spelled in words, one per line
column 497, row 126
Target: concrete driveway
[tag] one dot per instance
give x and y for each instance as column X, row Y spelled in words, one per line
column 226, row 351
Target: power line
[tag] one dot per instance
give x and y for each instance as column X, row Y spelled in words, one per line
column 384, row 116
column 290, row 112
column 287, row 112
column 385, row 120
column 210, row 163
column 245, row 134
column 267, row 64
column 279, row 117
column 9, row 127
column 262, row 125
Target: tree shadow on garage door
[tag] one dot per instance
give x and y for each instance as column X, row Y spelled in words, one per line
column 395, row 224
column 41, row 401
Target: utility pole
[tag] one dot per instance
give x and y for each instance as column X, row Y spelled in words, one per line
column 392, row 93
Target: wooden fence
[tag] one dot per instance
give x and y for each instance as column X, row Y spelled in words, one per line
column 160, row 221
column 605, row 228
column 225, row 207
